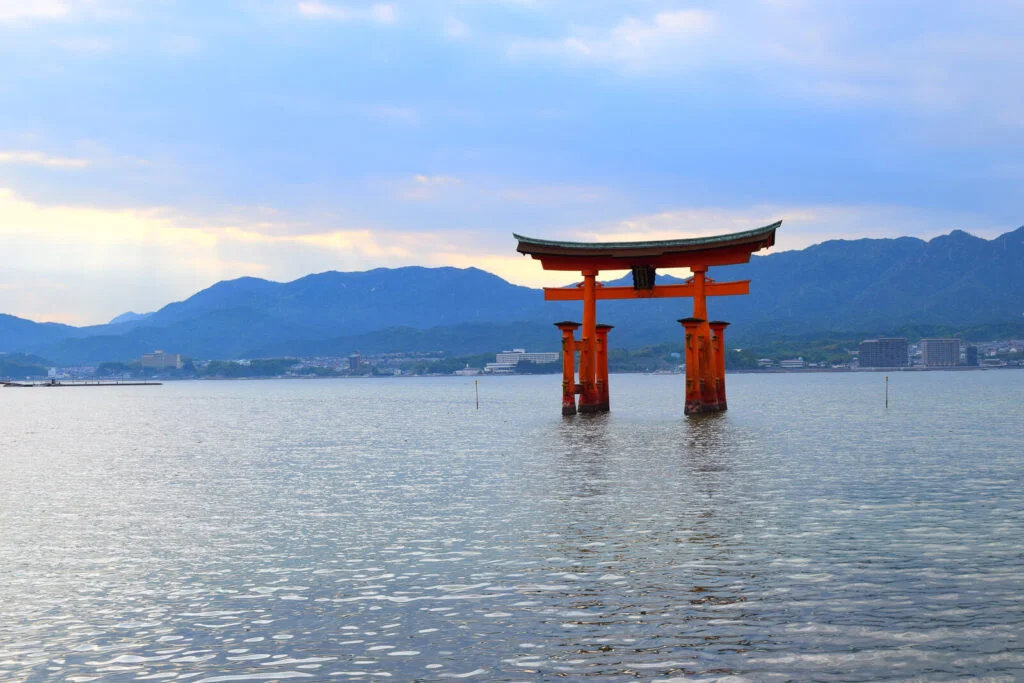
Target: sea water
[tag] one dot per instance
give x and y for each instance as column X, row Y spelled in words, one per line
column 389, row 530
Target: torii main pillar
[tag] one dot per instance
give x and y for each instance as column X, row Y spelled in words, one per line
column 705, row 342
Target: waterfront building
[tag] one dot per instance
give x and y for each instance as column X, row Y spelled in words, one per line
column 971, row 356
column 887, row 352
column 516, row 355
column 793, row 363
column 940, row 353
column 500, row 368
column 158, row 360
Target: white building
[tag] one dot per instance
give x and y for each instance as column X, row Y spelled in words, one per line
column 161, row 361
column 500, row 368
column 793, row 363
column 516, row 355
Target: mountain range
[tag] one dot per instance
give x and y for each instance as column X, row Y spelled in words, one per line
column 867, row 286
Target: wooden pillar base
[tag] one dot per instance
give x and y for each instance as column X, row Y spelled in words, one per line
column 590, row 401
column 698, row 407
column 718, row 329
column 568, row 403
column 701, row 393
column 568, row 329
column 603, row 398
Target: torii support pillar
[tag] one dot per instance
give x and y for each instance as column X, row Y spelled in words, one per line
column 695, row 390
column 604, row 402
column 718, row 345
column 568, row 329
column 590, row 401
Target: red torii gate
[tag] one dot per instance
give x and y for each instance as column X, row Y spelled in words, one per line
column 705, row 342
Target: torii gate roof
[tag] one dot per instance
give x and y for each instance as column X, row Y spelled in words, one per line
column 716, row 250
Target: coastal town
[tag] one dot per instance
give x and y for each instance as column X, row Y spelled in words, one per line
column 895, row 354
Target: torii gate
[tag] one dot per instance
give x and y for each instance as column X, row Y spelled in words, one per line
column 705, row 342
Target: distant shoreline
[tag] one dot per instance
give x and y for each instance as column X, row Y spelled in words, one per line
column 743, row 371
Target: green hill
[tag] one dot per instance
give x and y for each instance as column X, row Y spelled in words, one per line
column 953, row 284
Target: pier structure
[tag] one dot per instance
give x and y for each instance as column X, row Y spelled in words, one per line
column 704, row 339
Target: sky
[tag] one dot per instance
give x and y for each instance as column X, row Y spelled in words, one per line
column 150, row 148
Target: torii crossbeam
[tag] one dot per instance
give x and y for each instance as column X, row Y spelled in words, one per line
column 705, row 344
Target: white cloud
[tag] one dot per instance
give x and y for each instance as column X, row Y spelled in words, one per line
column 51, row 10
column 960, row 60
column 455, row 29
column 383, row 13
column 803, row 225
column 31, row 158
column 666, row 38
column 321, row 10
column 14, row 10
column 435, row 180
column 424, row 187
column 483, row 194
column 379, row 13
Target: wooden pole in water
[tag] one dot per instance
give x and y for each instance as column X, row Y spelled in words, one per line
column 476, row 386
column 887, row 391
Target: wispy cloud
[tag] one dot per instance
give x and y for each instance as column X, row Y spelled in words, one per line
column 499, row 197
column 15, row 10
column 51, row 10
column 424, row 187
column 958, row 59
column 379, row 13
column 455, row 29
column 31, row 158
column 803, row 225
column 635, row 43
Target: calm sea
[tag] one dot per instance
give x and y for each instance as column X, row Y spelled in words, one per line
column 387, row 529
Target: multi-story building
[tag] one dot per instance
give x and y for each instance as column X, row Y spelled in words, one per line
column 971, row 356
column 940, row 353
column 890, row 352
column 158, row 360
column 793, row 363
column 516, row 355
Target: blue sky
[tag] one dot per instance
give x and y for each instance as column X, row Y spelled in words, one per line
column 149, row 149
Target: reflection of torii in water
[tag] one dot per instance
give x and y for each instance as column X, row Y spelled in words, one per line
column 705, row 347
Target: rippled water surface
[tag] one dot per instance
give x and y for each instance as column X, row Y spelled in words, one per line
column 386, row 529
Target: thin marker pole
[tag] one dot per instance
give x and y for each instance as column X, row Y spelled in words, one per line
column 476, row 386
column 887, row 391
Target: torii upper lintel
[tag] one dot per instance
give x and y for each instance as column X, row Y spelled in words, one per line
column 715, row 250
